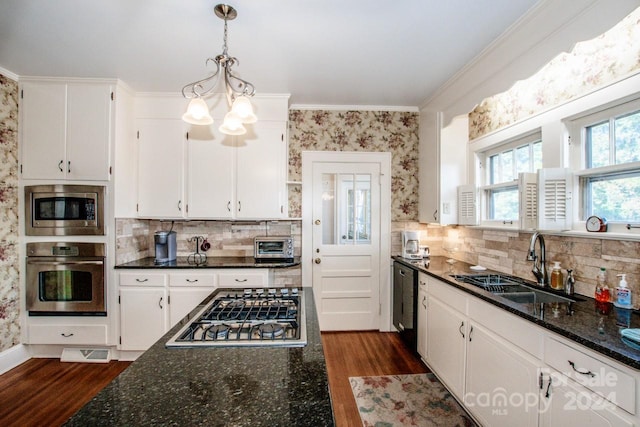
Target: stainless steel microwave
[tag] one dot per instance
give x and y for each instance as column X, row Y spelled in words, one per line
column 64, row 210
column 273, row 247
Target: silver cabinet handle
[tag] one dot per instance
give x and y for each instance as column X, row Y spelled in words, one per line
column 435, row 215
column 60, row 165
column 69, row 166
column 192, row 280
column 179, row 205
column 239, row 206
column 66, row 335
column 229, row 206
column 424, row 302
column 460, row 329
column 240, row 280
column 141, row 280
column 470, row 332
column 160, row 303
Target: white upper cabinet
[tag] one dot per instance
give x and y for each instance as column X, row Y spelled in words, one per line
column 197, row 172
column 66, row 129
column 260, row 172
column 442, row 167
column 160, row 168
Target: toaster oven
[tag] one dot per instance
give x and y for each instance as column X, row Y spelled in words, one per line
column 273, row 247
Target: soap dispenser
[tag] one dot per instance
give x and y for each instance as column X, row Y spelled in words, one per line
column 623, row 293
column 556, row 277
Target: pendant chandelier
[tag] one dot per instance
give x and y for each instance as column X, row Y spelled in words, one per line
column 237, row 90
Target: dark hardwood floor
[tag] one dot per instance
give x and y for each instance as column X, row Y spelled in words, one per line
column 46, row 392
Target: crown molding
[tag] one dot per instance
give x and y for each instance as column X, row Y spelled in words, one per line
column 355, row 108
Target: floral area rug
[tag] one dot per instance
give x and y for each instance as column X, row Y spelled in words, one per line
column 406, row 400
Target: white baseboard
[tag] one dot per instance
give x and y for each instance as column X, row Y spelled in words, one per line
column 13, row 357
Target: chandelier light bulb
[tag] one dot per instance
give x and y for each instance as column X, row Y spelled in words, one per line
column 232, row 125
column 197, row 113
column 244, row 110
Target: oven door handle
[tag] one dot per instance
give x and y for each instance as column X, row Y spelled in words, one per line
column 81, row 262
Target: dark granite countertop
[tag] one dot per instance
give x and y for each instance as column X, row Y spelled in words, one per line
column 212, row 262
column 578, row 321
column 219, row 386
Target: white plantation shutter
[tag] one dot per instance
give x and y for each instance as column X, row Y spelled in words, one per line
column 554, row 199
column 467, row 205
column 528, row 198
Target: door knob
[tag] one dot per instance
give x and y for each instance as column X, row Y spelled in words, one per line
column 317, row 222
column 317, row 261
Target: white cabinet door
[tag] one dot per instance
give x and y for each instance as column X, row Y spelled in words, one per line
column 66, row 130
column 422, row 315
column 446, row 342
column 43, row 126
column 502, row 383
column 260, row 175
column 565, row 403
column 88, row 131
column 160, row 168
column 210, row 174
column 183, row 300
column 442, row 153
column 143, row 317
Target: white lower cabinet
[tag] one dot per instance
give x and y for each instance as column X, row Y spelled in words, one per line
column 502, row 382
column 446, row 343
column 143, row 317
column 153, row 301
column 565, row 403
column 508, row 372
column 422, row 315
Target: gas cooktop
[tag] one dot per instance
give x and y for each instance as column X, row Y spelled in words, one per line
column 247, row 317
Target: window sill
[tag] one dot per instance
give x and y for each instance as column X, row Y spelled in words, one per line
column 607, row 235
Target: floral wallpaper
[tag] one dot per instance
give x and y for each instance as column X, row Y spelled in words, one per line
column 9, row 264
column 590, row 65
column 374, row 131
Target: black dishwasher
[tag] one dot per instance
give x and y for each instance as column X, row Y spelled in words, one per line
column 405, row 302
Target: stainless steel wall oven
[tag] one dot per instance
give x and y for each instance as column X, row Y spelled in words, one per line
column 65, row 279
column 64, row 210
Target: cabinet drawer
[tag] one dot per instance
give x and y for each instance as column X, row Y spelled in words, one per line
column 596, row 375
column 448, row 294
column 190, row 279
column 68, row 334
column 143, row 279
column 243, row 279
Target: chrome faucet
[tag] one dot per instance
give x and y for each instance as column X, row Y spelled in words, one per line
column 539, row 262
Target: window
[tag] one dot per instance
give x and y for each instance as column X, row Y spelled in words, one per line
column 504, row 165
column 610, row 172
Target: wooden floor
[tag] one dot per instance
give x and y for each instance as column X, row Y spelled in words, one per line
column 359, row 354
column 46, row 392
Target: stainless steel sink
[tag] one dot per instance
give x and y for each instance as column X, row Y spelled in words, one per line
column 512, row 288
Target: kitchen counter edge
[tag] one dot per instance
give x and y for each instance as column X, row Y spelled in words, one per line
column 211, row 262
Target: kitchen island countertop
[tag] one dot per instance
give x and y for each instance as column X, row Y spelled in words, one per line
column 584, row 322
column 211, row 262
column 219, row 386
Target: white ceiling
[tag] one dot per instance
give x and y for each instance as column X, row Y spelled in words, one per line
column 322, row 52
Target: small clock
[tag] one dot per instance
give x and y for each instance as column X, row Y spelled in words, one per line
column 596, row 224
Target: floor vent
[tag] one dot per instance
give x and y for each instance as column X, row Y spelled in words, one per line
column 88, row 355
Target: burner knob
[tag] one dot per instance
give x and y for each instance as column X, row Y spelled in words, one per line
column 285, row 291
column 272, row 291
column 294, row 291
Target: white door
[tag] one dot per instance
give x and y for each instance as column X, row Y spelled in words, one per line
column 346, row 244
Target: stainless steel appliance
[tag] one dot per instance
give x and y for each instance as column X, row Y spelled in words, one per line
column 166, row 246
column 273, row 247
column 64, row 210
column 65, row 279
column 405, row 303
column 411, row 245
column 247, row 317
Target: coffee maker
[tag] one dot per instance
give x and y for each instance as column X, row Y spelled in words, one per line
column 411, row 245
column 165, row 246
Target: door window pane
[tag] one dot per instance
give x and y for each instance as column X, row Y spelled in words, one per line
column 328, row 208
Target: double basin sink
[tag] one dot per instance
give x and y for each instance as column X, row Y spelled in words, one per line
column 512, row 288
